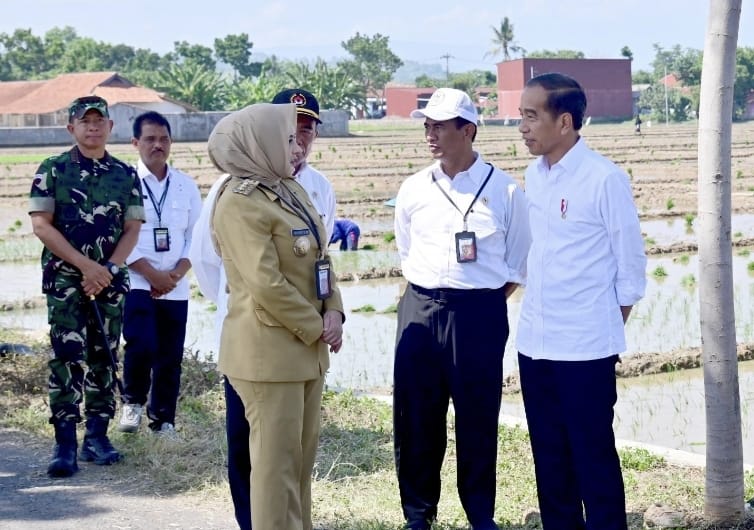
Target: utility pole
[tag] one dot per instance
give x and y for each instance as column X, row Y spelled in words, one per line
column 447, row 70
column 665, row 83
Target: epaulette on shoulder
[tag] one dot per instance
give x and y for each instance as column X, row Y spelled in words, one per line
column 246, row 186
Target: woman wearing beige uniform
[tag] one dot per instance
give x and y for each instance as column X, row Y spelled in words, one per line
column 284, row 308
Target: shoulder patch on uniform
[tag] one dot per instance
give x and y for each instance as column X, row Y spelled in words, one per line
column 246, row 186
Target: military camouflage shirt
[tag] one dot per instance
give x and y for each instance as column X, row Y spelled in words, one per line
column 90, row 201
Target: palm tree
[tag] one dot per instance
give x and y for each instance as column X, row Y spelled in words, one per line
column 194, row 84
column 502, row 42
column 724, row 491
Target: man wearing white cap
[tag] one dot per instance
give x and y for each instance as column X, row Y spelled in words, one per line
column 462, row 231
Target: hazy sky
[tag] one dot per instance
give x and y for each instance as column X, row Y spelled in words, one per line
column 461, row 29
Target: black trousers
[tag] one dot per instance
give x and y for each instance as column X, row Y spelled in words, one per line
column 239, row 460
column 569, row 410
column 450, row 345
column 154, row 331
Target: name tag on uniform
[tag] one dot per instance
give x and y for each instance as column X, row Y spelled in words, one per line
column 297, row 232
column 465, row 247
column 161, row 240
column 322, row 276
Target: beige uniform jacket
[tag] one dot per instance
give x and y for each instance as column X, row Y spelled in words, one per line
column 274, row 322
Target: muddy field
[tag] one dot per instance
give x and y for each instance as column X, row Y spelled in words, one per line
column 367, row 167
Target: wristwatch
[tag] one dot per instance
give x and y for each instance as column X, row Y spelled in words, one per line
column 112, row 268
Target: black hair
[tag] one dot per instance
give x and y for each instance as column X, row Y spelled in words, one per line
column 151, row 117
column 564, row 94
column 460, row 122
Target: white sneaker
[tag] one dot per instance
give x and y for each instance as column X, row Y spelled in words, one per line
column 130, row 418
column 167, row 431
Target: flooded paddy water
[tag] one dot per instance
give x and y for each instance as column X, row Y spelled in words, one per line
column 367, row 168
column 666, row 409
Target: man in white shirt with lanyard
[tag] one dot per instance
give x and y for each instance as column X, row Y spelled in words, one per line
column 210, row 275
column 462, row 231
column 586, row 269
column 156, row 308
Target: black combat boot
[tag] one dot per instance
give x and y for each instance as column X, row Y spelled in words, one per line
column 63, row 463
column 97, row 447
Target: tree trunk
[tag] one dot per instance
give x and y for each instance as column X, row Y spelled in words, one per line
column 724, row 495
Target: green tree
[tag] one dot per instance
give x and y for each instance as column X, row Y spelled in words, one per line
column 744, row 85
column 203, row 88
column 56, row 40
column 684, row 64
column 247, row 91
column 23, row 55
column 627, row 53
column 373, row 63
column 185, row 53
column 469, row 82
column 84, row 54
column 642, row 77
column 556, row 54
column 680, row 105
column 502, row 41
column 235, row 50
column 334, row 88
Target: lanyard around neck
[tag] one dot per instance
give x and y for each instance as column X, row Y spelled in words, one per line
column 479, row 191
column 300, row 212
column 159, row 204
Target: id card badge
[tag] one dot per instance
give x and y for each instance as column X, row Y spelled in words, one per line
column 161, row 240
column 465, row 247
column 322, row 276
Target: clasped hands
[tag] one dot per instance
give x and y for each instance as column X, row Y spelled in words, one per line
column 332, row 331
column 96, row 277
column 162, row 282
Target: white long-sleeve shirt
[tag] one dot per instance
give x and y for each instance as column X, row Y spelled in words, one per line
column 426, row 223
column 586, row 260
column 208, row 266
column 179, row 213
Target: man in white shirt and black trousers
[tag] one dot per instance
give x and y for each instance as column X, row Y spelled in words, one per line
column 156, row 308
column 462, row 231
column 586, row 269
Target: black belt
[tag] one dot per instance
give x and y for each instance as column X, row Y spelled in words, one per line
column 447, row 293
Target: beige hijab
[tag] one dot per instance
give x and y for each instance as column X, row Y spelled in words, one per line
column 254, row 143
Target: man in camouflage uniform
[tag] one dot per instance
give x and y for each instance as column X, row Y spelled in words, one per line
column 86, row 208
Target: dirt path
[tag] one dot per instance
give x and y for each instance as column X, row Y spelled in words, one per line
column 96, row 497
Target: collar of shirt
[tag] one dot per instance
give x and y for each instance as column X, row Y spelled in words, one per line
column 145, row 174
column 476, row 173
column 569, row 163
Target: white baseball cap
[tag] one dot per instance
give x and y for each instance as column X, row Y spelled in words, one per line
column 446, row 104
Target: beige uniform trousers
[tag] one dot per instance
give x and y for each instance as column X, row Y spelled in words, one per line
column 284, row 434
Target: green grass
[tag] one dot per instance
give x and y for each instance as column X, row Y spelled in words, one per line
column 659, row 272
column 23, row 158
column 354, row 485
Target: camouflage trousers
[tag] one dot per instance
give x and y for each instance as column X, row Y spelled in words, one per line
column 77, row 341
